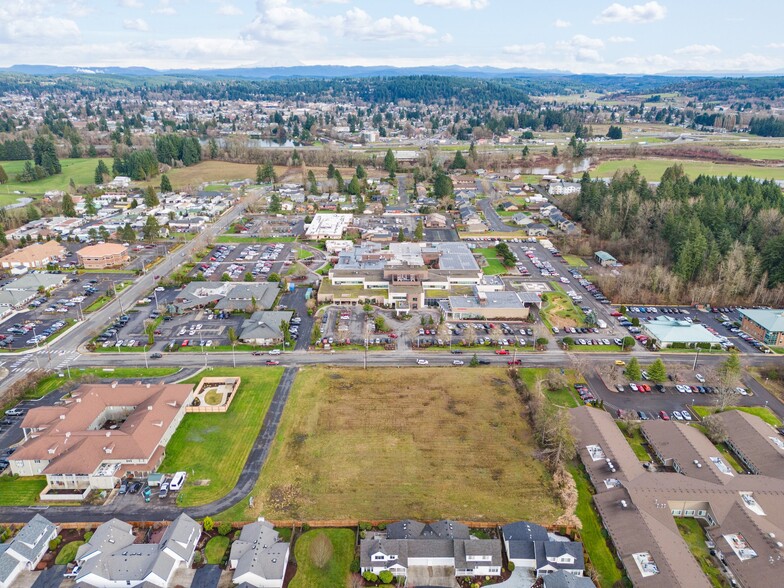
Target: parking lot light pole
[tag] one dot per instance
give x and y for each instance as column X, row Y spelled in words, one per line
column 116, row 297
column 37, row 361
column 696, row 357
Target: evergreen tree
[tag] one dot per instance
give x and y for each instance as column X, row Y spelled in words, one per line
column 554, row 152
column 68, row 206
column 91, row 152
column 151, row 197
column 151, row 228
column 45, row 155
column 353, row 187
column 390, row 163
column 400, row 236
column 341, row 185
column 359, row 204
column 419, row 232
column 312, row 183
column 472, row 151
column 133, row 204
column 361, row 173
column 442, row 185
column 274, row 205
column 330, row 171
column 89, row 205
column 259, row 175
column 657, row 372
column 633, row 369
column 459, row 161
column 101, row 171
column 165, row 184
column 3, row 175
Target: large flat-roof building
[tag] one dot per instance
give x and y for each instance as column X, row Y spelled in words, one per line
column 765, row 325
column 242, row 296
column 493, row 305
column 666, row 331
column 743, row 514
column 103, row 255
column 328, row 226
column 102, row 433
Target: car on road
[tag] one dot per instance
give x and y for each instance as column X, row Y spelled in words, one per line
column 619, row 387
column 677, row 415
column 164, row 491
column 14, row 412
column 256, row 353
column 633, row 387
column 274, row 351
column 422, row 362
column 502, row 352
column 458, row 362
column 272, row 362
column 515, row 362
column 620, row 362
column 484, row 362
column 156, row 355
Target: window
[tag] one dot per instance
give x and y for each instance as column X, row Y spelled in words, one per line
column 676, row 513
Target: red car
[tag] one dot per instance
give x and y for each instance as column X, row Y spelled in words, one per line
column 393, row 335
column 616, row 313
column 272, row 362
column 664, row 416
column 501, row 352
column 515, row 362
column 645, row 387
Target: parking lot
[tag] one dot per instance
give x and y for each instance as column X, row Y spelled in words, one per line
column 131, row 493
column 270, row 226
column 237, row 260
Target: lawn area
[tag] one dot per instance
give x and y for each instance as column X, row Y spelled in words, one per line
column 206, row 171
column 593, row 348
column 559, row 311
column 216, row 549
column 636, row 442
column 303, row 254
column 81, row 170
column 763, row 153
column 565, row 397
column 336, row 457
column 494, row 266
column 67, row 553
column 337, row 570
column 592, row 536
column 16, row 491
column 652, row 169
column 213, row 447
column 217, row 188
column 574, row 261
column 692, row 533
column 762, row 412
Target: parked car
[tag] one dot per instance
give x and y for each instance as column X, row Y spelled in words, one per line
column 422, row 362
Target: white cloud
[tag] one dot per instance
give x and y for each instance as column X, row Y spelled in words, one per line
column 229, row 10
column 279, row 23
column 45, row 29
column 136, row 24
column 130, row 3
column 615, row 39
column 636, row 14
column 775, row 45
column 697, row 50
column 530, row 49
column 580, row 42
column 462, row 4
column 164, row 8
column 646, row 64
column 587, row 56
column 561, row 24
column 359, row 24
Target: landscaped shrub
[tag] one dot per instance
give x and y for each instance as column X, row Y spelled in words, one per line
column 355, row 566
column 370, row 577
column 224, row 528
column 55, row 543
column 87, row 536
column 208, row 524
column 197, row 557
column 386, row 577
column 382, row 526
column 365, row 526
column 511, row 566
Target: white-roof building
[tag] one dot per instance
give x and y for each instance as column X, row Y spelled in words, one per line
column 328, row 226
column 667, row 330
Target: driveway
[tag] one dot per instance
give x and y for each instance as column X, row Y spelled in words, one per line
column 431, row 576
column 492, row 218
column 520, row 578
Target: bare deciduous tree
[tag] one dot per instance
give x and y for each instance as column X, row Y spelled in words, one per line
column 321, row 550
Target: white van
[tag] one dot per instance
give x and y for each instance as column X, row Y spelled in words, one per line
column 177, row 481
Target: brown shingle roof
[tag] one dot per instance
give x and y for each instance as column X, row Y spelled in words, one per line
column 752, row 436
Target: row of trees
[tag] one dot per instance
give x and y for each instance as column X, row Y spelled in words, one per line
column 14, row 150
column 173, row 148
column 137, row 165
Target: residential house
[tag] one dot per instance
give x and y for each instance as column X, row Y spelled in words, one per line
column 410, row 546
column 508, row 206
column 25, row 550
column 263, row 327
column 530, row 546
column 561, row 188
column 109, row 564
column 259, row 557
column 435, row 220
column 536, row 230
column 522, row 220
column 562, row 579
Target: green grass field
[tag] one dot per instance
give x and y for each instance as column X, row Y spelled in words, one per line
column 335, row 457
column 337, row 570
column 761, row 153
column 20, row 491
column 245, row 239
column 213, row 447
column 574, row 261
column 494, row 266
column 652, row 169
column 559, row 311
column 592, row 536
column 217, row 188
column 692, row 533
column 635, row 440
column 216, row 549
column 762, row 412
column 82, row 171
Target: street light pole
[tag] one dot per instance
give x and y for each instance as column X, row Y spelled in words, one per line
column 37, row 361
column 696, row 357
column 146, row 363
column 233, row 356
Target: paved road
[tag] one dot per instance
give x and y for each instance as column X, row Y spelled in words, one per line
column 152, row 512
column 402, row 196
column 495, row 222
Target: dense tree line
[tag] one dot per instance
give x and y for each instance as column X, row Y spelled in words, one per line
column 137, row 165
column 719, row 237
column 15, row 150
column 767, row 127
column 172, row 148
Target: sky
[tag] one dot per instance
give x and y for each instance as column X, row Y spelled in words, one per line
column 581, row 36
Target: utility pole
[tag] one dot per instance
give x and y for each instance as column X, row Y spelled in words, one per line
column 696, row 357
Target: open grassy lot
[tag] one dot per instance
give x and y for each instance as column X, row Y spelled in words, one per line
column 652, row 169
column 593, row 539
column 206, row 171
column 692, row 533
column 82, row 171
column 20, row 491
column 246, row 239
column 566, row 396
column 559, row 311
column 213, row 447
column 762, row 153
column 762, row 412
column 336, row 572
column 215, row 549
column 494, row 266
column 574, row 261
column 389, row 443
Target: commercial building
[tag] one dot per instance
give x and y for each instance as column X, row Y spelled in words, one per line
column 765, row 325
column 25, row 550
column 102, row 433
column 35, row 256
column 667, row 331
column 242, row 296
column 492, row 305
column 21, row 291
column 604, row 259
column 263, row 327
column 743, row 515
column 103, row 255
column 328, row 226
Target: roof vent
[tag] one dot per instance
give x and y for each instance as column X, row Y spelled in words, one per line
column 108, row 433
column 62, row 417
column 114, row 384
column 624, row 504
column 148, row 384
column 149, row 407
